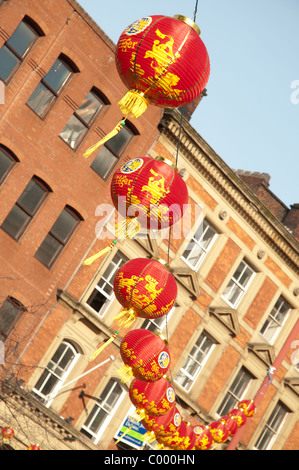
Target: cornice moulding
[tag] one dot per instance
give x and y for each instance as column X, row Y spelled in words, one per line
column 231, row 187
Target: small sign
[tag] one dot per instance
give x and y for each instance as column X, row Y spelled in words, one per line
column 131, row 432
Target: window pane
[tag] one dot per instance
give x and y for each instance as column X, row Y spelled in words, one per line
column 5, row 164
column 49, row 250
column 118, row 142
column 40, row 99
column 104, row 162
column 8, row 315
column 21, row 39
column 64, row 226
column 32, row 196
column 96, row 300
column 57, row 75
column 8, row 61
column 89, row 108
column 73, row 132
column 15, row 222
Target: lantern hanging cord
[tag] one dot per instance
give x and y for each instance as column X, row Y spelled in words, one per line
column 195, row 11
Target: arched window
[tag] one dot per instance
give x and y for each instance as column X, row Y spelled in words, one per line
column 109, row 154
column 7, row 162
column 26, row 207
column 58, row 236
column 56, row 372
column 51, row 86
column 83, row 118
column 104, row 410
column 17, row 47
column 10, row 312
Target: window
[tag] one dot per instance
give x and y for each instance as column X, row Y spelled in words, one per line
column 103, row 411
column 236, row 392
column 157, row 324
column 276, row 319
column 195, row 361
column 25, row 208
column 272, row 427
column 7, row 161
column 58, row 236
column 9, row 315
column 56, row 372
column 109, row 154
column 103, row 291
column 81, row 121
column 16, row 48
column 199, row 245
column 51, row 86
column 238, row 284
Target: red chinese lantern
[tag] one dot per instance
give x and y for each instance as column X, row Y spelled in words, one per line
column 7, row 433
column 239, row 416
column 219, row 431
column 204, row 438
column 248, row 407
column 149, row 193
column 164, row 425
column 230, row 424
column 146, row 288
column 33, row 447
column 153, row 398
column 162, row 61
column 182, row 439
column 145, row 355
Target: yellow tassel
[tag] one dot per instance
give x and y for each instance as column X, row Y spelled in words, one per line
column 125, row 318
column 127, row 228
column 109, row 136
column 150, row 437
column 125, row 373
column 133, row 103
column 123, row 434
column 98, row 351
column 91, row 259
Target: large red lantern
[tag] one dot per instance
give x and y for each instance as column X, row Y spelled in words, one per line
column 149, row 193
column 162, row 61
column 219, row 431
column 239, row 416
column 7, row 433
column 153, row 398
column 248, row 407
column 182, row 439
column 164, row 425
column 204, row 438
column 145, row 355
column 230, row 424
column 146, row 288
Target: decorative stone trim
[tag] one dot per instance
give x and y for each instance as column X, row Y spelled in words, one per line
column 231, row 187
column 228, row 317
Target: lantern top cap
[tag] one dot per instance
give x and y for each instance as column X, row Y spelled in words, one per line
column 168, row 162
column 188, row 22
column 164, row 263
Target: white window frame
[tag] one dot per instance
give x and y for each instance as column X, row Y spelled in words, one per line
column 200, row 365
column 269, row 426
column 231, row 392
column 235, row 283
column 60, row 380
column 272, row 319
column 109, row 413
column 200, row 232
column 109, row 298
column 158, row 323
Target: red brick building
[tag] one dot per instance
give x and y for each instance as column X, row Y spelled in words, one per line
column 236, row 264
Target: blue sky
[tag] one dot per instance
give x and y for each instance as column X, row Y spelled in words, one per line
column 251, row 114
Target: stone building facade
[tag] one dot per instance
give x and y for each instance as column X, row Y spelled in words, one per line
column 235, row 255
